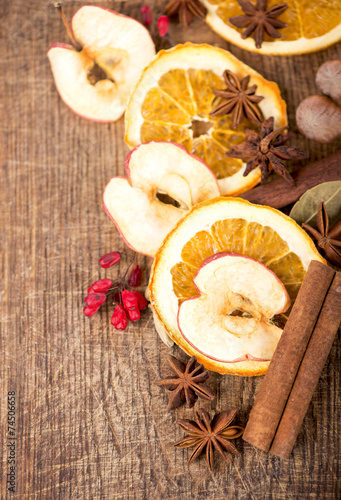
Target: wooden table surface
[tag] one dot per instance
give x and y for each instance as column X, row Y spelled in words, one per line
column 90, row 422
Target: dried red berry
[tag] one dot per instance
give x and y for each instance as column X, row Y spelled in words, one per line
column 163, row 25
column 90, row 290
column 109, row 259
column 95, row 299
column 119, row 318
column 129, row 300
column 101, row 285
column 135, row 276
column 146, row 15
column 90, row 311
column 141, row 300
column 134, row 314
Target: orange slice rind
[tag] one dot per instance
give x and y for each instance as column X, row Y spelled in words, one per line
column 312, row 25
column 172, row 102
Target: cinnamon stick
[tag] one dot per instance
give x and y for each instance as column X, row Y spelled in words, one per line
column 279, row 193
column 278, row 381
column 309, row 372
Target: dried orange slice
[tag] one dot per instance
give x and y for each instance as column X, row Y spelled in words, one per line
column 172, row 102
column 312, row 25
column 228, row 225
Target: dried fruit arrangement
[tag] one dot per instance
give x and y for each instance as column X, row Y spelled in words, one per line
column 200, row 240
column 200, row 123
column 272, row 27
column 176, row 100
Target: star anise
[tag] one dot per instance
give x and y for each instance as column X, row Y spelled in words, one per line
column 267, row 151
column 186, row 9
column 186, row 384
column 239, row 100
column 259, row 20
column 213, row 435
column 327, row 239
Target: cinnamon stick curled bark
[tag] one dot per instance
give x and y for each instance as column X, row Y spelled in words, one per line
column 309, row 372
column 279, row 379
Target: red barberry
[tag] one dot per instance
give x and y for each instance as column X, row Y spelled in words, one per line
column 109, row 259
column 90, row 311
column 134, row 314
column 101, row 285
column 141, row 300
column 119, row 318
column 95, row 299
column 163, row 25
column 135, row 276
column 129, row 300
column 90, row 290
column 146, row 15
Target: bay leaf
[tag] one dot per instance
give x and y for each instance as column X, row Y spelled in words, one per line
column 305, row 209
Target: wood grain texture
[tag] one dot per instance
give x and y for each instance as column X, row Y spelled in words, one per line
column 91, row 424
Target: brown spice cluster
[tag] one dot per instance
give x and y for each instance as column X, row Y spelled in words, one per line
column 266, row 150
column 204, row 435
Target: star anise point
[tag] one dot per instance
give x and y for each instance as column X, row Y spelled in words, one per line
column 258, row 20
column 266, row 150
column 238, row 99
column 207, row 435
column 187, row 383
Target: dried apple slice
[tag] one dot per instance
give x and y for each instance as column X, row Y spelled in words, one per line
column 120, row 46
column 163, row 182
column 226, row 225
column 230, row 319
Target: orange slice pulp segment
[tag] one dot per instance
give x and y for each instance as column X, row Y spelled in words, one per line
column 181, row 102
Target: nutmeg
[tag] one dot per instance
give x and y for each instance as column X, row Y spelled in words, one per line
column 328, row 80
column 319, row 118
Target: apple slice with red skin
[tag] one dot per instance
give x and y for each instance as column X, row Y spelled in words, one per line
column 228, row 283
column 154, row 169
column 118, row 44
